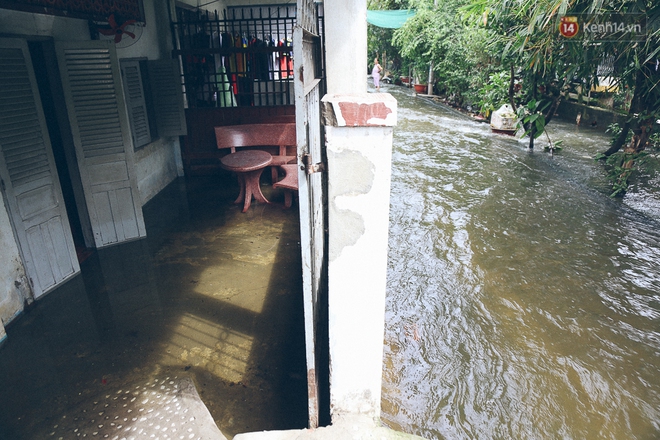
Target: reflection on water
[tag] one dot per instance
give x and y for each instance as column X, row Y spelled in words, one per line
column 523, row 302
column 210, row 297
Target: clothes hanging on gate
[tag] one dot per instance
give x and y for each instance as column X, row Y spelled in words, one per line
column 224, row 94
column 240, row 42
column 230, row 60
column 285, row 61
column 258, row 65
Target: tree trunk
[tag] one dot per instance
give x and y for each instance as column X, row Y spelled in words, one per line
column 635, row 108
column 532, row 134
column 552, row 109
column 532, row 127
column 641, row 135
column 642, row 129
column 619, row 141
column 512, row 90
column 431, row 80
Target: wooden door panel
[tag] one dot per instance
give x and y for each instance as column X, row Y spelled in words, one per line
column 54, row 264
column 107, row 173
column 29, row 176
column 31, row 203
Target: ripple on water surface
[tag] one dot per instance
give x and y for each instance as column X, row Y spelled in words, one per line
column 522, row 301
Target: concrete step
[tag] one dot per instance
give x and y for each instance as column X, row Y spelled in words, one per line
column 353, row 427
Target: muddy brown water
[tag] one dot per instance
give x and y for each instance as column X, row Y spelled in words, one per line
column 523, row 302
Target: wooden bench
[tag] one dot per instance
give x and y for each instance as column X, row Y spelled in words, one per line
column 289, row 183
column 198, row 148
column 280, row 136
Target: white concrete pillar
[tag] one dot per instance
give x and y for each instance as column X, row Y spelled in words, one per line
column 345, row 29
column 359, row 151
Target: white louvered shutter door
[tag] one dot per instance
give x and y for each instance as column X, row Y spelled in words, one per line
column 29, row 177
column 93, row 91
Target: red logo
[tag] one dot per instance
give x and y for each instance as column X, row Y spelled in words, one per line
column 569, row 27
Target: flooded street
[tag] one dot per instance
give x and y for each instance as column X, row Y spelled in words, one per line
column 523, row 302
column 210, row 298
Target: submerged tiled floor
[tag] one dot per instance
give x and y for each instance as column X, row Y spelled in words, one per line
column 211, row 296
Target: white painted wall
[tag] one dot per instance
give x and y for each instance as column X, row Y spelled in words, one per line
column 158, row 163
column 346, row 45
column 358, row 217
column 60, row 28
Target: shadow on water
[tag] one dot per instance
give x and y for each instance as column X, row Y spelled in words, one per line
column 212, row 294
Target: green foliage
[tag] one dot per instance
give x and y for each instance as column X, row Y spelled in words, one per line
column 655, row 141
column 553, row 147
column 546, row 62
column 459, row 51
column 620, row 168
column 622, row 164
column 531, row 117
column 494, row 93
column 615, row 129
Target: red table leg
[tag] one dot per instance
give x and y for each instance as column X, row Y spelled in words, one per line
column 248, row 166
column 241, row 189
column 250, row 187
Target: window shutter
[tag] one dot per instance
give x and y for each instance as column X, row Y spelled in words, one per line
column 137, row 107
column 167, row 94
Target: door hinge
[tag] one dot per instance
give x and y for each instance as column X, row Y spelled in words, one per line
column 311, row 168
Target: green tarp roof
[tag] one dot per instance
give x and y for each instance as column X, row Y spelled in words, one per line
column 389, row 19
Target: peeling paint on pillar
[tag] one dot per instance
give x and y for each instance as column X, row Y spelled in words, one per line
column 357, row 112
column 351, row 163
column 369, row 110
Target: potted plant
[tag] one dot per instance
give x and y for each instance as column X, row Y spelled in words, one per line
column 421, row 78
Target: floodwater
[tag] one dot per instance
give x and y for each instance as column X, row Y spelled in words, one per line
column 212, row 296
column 523, row 302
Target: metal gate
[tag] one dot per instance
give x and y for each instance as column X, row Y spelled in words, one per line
column 308, row 88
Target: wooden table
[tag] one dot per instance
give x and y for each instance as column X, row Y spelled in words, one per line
column 248, row 165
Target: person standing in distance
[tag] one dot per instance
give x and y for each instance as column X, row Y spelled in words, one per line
column 375, row 74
